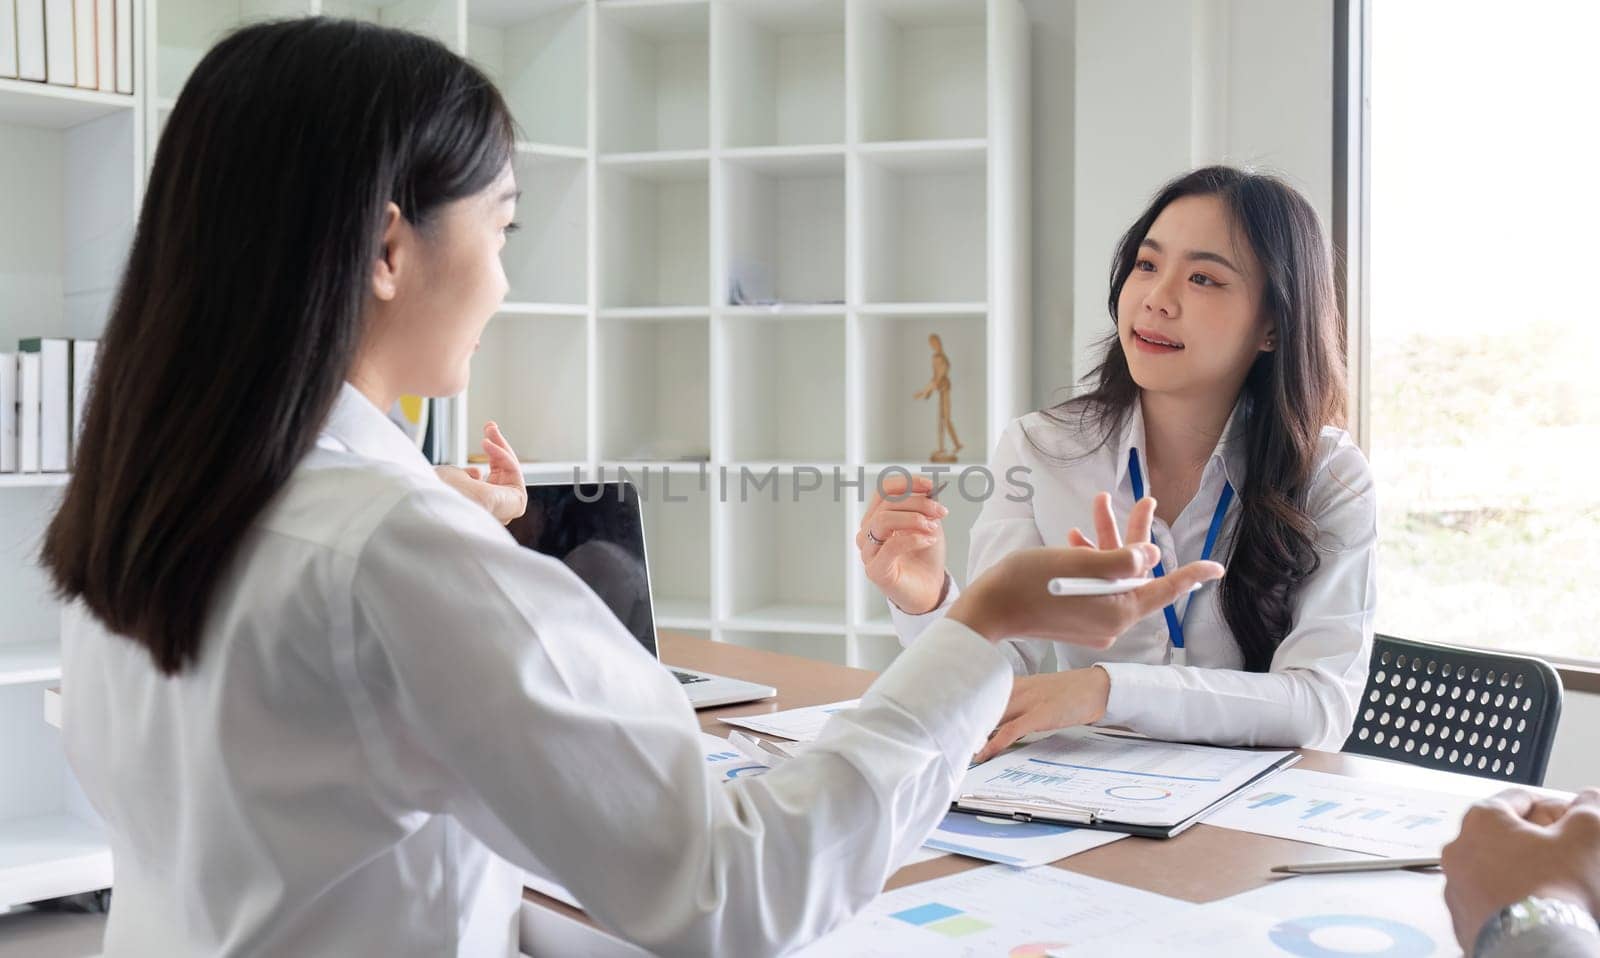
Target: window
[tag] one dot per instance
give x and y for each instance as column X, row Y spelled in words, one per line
column 1483, row 332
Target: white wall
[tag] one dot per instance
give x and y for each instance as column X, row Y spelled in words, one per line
column 1127, row 96
column 1575, row 763
column 1054, row 26
column 1133, row 128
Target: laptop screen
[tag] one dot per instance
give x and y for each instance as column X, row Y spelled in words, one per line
column 596, row 529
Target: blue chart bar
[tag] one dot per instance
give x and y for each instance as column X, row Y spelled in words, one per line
column 722, row 756
column 1268, row 799
column 1016, row 776
column 1419, row 821
column 1374, row 815
column 1317, row 808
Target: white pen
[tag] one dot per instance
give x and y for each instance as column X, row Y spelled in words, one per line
column 1356, row 865
column 1062, row 586
column 769, row 754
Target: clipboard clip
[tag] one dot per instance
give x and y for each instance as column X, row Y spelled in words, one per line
column 770, row 754
column 1025, row 808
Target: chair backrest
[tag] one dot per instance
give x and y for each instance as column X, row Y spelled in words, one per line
column 1460, row 710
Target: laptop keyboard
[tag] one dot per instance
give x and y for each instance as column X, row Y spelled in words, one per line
column 685, row 678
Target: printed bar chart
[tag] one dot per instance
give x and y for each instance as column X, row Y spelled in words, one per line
column 1319, row 808
column 1268, row 799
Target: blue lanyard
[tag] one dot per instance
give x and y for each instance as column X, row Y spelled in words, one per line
column 1174, row 623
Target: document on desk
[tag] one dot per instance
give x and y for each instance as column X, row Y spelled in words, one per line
column 1356, row 814
column 726, row 762
column 997, row 910
column 800, row 725
column 1389, row 913
column 1117, row 782
column 1010, row 842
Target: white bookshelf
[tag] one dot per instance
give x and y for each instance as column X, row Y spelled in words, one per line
column 28, row 663
column 72, row 162
column 48, row 107
column 858, row 166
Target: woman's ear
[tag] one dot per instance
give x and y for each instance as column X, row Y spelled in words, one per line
column 1269, row 342
column 391, row 257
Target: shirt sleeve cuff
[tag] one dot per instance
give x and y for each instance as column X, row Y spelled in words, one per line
column 955, row 683
column 1130, row 682
column 909, row 627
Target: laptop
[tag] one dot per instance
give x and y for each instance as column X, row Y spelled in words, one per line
column 597, row 530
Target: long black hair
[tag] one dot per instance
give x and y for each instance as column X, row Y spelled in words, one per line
column 239, row 312
column 1289, row 394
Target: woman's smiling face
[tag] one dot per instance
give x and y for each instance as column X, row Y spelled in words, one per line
column 1189, row 315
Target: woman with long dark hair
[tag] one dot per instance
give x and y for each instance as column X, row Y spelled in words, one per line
column 325, row 703
column 1214, row 420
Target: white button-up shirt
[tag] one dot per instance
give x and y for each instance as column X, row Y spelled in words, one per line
column 396, row 709
column 1309, row 695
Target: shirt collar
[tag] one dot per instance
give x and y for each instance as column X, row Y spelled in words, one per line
column 1132, row 437
column 1229, row 455
column 358, row 426
column 1232, row 450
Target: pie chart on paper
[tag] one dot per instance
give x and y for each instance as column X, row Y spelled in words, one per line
column 1336, row 936
column 1138, row 793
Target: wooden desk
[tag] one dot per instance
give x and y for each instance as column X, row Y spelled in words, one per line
column 1203, row 864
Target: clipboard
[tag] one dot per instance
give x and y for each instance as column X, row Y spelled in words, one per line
column 1019, row 804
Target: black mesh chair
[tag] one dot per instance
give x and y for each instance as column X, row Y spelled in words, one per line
column 1458, row 710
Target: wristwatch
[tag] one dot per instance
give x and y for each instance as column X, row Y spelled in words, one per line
column 1522, row 917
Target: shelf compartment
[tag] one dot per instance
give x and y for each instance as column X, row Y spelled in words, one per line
column 785, row 229
column 547, row 259
column 654, row 396
column 921, row 66
column 655, row 236
column 677, row 538
column 653, row 77
column 901, row 429
column 924, row 223
column 822, row 646
column 791, row 546
column 530, row 375
column 537, row 54
column 28, row 607
column 786, row 383
column 782, row 72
